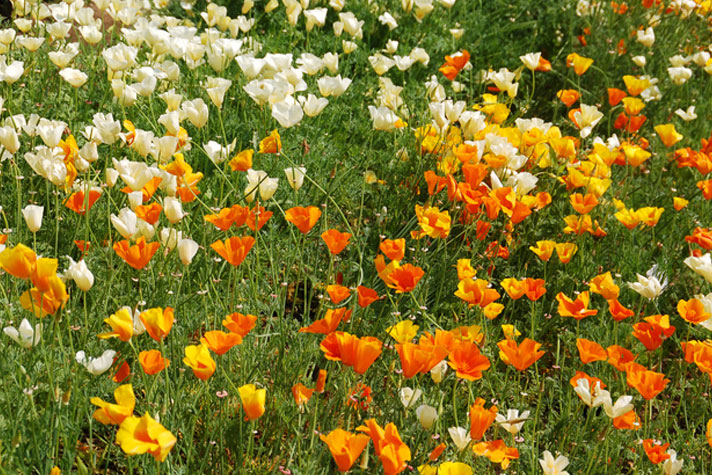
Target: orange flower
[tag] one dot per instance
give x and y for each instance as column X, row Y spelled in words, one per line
column 708, row 433
column 480, row 418
column 337, row 293
column 701, row 236
column 366, row 296
column 152, row 362
column 648, row 383
column 618, row 311
column 514, row 288
column 226, row 217
column 272, row 143
column 394, row 249
column 321, row 381
column 583, row 204
column 257, row 218
column 520, row 356
column 123, row 372
column 465, row 269
column 419, row 358
column 220, row 342
column 158, row 322
column 198, row 358
column 235, row 249
column 476, row 292
column 47, row 300
column 329, row 323
column 706, row 187
column 653, row 331
column 138, row 255
column 603, row 285
column 18, row 261
column 242, row 161
column 619, row 357
column 575, row 308
column 301, row 394
column 303, row 218
column 568, row 96
column 433, row 222
column 77, row 201
column 467, row 361
column 629, row 420
column 335, row 240
column 454, row 64
column 565, row 251
column 149, row 213
column 253, row 401
column 534, row 288
column 388, row 446
column 590, row 351
column 656, row 453
column 543, row 249
column 497, row 452
column 692, row 311
column 437, row 451
column 615, row 96
column 405, row 278
column 351, row 350
column 345, row 447
column 239, row 323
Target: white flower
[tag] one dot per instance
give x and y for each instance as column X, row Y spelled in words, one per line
column 460, row 436
column 381, row 64
column 258, row 180
column 33, row 217
column 51, row 131
column 409, row 396
column 126, row 223
column 531, row 60
column 217, row 153
column 688, row 115
column 9, row 139
column 331, row 62
column 438, row 372
column 427, row 415
column 187, row 248
column 587, row 118
column 679, row 75
column 216, row 89
column 170, row 237
column 552, row 466
column 592, row 398
column 25, row 335
column 701, row 265
column 173, row 209
column 96, row 366
column 646, row 37
column 109, row 129
column 312, row 105
column 652, row 285
column 672, row 466
column 622, row 406
column 295, row 177
column 383, row 118
column 196, row 111
column 287, row 112
column 388, row 20
column 315, row 17
column 80, row 274
column 333, row 86
column 513, row 422
column 74, row 77
column 639, row 61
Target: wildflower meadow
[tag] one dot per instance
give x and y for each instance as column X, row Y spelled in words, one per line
column 439, row 237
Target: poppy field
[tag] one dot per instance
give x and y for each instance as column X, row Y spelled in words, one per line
column 440, row 237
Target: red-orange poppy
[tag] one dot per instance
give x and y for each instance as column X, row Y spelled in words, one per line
column 615, row 96
column 618, row 311
column 301, row 394
column 138, row 255
column 78, row 202
column 619, row 357
column 480, row 418
column 394, row 249
column 520, row 356
column 454, row 64
column 656, row 452
column 648, row 383
column 235, row 249
column 417, row 358
column 345, row 447
column 239, row 323
column 337, row 293
column 329, row 323
column 366, row 296
column 152, row 362
column 575, row 308
column 220, row 342
column 257, row 218
column 404, row 279
column 360, row 353
column 303, row 218
column 590, row 351
column 467, row 361
column 149, row 213
column 335, row 240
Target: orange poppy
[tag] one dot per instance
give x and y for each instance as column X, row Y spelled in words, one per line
column 583, row 204
column 345, row 447
column 321, row 381
column 405, row 278
column 301, row 394
column 618, row 311
column 149, row 213
column 138, row 255
column 543, row 249
column 497, row 452
column 480, row 418
column 467, row 361
column 394, row 249
column 437, row 451
column 534, row 288
column 152, row 362
column 388, row 446
column 590, row 351
column 692, row 311
column 77, row 201
column 520, row 356
column 121, row 373
column 568, row 96
column 615, row 96
column 226, row 217
column 239, row 323
column 648, row 383
column 18, row 261
column 360, row 353
column 235, row 249
column 366, row 296
column 603, row 285
column 592, row 382
column 656, row 452
column 271, row 144
column 242, row 161
column 476, row 292
column 565, row 251
column 514, row 288
column 629, row 420
column 148, row 189
column 303, row 218
column 700, row 236
column 653, row 331
column 335, row 240
column 619, row 357
column 575, row 308
column 454, row 64
column 257, row 218
column 329, row 323
column 417, row 358
column 220, row 342
column 337, row 293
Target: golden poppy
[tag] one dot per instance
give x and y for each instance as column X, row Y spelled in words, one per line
column 345, row 447
column 253, row 401
column 235, row 249
column 220, row 342
column 121, row 323
column 115, row 413
column 158, row 322
column 138, row 255
column 152, row 362
column 140, row 435
column 303, row 218
column 520, row 356
column 18, row 261
column 198, row 358
column 335, row 240
column 271, row 144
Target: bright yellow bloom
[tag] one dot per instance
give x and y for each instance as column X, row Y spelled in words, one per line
column 198, row 358
column 140, row 435
column 253, row 401
column 121, row 323
column 403, row 331
column 115, row 413
column 668, row 135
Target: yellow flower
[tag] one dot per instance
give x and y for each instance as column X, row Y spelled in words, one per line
column 253, row 401
column 121, row 323
column 116, row 413
column 668, row 135
column 403, row 331
column 198, row 358
column 140, row 435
